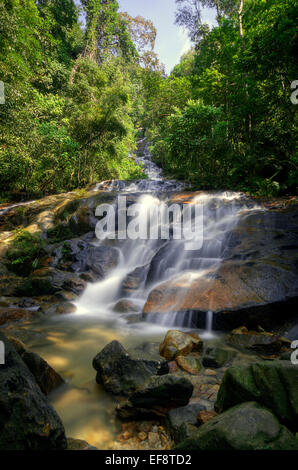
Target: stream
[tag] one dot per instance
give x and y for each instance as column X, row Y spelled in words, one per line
column 69, row 342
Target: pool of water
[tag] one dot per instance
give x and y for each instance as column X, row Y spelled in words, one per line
column 69, row 343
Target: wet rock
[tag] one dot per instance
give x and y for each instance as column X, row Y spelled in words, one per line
column 173, row 367
column 82, row 221
column 261, row 342
column 88, row 277
column 75, row 285
column 157, row 396
column 100, row 259
column 185, row 431
column 126, row 306
column 134, row 280
column 205, row 416
column 286, row 356
column 65, row 296
column 142, row 436
column 149, row 350
column 256, row 283
column 78, row 444
column 207, row 392
column 178, row 417
column 46, row 281
column 84, row 257
column 210, row 372
column 122, row 375
column 216, row 357
column 46, row 377
column 65, row 308
column 12, row 315
column 273, row 384
column 177, row 343
column 190, row 364
column 27, row 420
column 26, row 302
column 248, row 426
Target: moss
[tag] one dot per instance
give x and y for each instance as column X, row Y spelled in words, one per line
column 25, row 253
column 60, row 233
column 35, row 287
column 66, row 252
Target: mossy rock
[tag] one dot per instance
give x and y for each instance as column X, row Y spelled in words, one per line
column 248, row 426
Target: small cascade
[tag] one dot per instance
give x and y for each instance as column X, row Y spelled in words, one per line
column 152, row 261
column 209, row 333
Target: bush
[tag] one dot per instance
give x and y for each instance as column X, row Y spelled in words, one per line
column 25, row 253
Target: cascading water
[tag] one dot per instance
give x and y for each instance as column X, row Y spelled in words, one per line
column 68, row 342
column 157, row 260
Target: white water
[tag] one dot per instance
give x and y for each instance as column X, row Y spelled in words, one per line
column 221, row 212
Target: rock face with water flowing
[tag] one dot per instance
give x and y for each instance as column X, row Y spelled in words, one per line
column 27, row 420
column 248, row 426
column 157, row 396
column 272, row 384
column 121, row 374
column 256, row 281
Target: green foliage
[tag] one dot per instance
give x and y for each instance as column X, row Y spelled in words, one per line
column 60, row 233
column 25, row 252
column 240, row 81
column 69, row 117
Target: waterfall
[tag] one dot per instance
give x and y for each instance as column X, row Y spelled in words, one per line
column 152, row 261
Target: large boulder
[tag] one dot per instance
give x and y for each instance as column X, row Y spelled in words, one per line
column 256, row 283
column 121, row 374
column 27, row 420
column 177, row 343
column 273, row 384
column 177, row 418
column 248, row 426
column 157, row 396
column 46, row 377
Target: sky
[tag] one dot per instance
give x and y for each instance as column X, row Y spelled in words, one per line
column 171, row 41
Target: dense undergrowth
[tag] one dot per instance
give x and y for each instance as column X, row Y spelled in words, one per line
column 80, row 81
